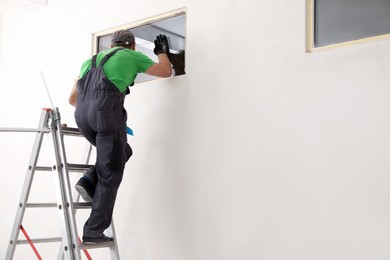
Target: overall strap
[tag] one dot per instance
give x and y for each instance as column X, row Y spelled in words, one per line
column 93, row 61
column 109, row 56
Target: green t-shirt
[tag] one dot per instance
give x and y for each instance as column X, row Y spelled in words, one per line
column 121, row 68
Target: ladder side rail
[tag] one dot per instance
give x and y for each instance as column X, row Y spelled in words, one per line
column 69, row 245
column 27, row 184
column 87, row 157
column 59, row 137
column 114, row 251
column 71, row 207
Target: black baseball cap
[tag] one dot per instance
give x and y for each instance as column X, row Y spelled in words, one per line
column 122, row 37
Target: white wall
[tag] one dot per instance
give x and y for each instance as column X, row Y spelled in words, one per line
column 1, row 25
column 261, row 151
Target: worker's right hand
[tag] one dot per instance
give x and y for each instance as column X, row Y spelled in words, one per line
column 161, row 45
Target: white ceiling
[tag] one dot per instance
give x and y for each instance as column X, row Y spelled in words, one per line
column 7, row 6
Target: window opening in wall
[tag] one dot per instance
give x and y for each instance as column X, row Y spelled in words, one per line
column 172, row 24
column 333, row 23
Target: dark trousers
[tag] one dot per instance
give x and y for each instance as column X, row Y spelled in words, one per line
column 106, row 130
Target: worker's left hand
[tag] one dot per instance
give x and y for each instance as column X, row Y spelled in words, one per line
column 161, row 45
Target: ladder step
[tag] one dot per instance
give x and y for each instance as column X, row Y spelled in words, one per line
column 41, row 205
column 98, row 245
column 71, row 131
column 40, row 240
column 71, row 167
column 82, row 205
column 78, row 167
column 43, row 168
column 77, row 205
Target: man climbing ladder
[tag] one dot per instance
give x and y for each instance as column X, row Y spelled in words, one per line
column 98, row 95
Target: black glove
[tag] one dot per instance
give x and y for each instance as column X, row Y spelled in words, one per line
column 161, row 45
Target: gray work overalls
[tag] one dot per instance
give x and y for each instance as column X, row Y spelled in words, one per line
column 101, row 118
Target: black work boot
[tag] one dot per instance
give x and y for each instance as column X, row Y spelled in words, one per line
column 96, row 240
column 86, row 189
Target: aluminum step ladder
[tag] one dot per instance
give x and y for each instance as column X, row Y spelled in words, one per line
column 71, row 246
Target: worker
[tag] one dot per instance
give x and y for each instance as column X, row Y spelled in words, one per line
column 98, row 96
